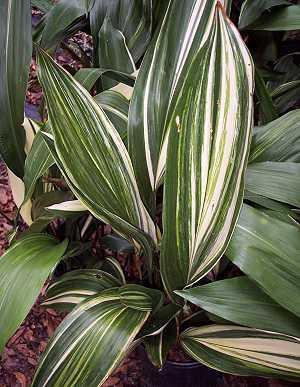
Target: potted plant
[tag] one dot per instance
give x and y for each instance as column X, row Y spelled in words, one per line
column 172, row 184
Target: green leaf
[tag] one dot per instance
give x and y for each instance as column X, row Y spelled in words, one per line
column 275, row 180
column 42, row 217
column 112, row 266
column 116, row 107
column 76, row 286
column 37, row 163
column 32, row 257
column 277, row 141
column 159, row 320
column 207, row 156
column 267, row 107
column 116, row 243
column 267, row 203
column 43, row 5
column 158, row 346
column 15, row 48
column 88, row 145
column 88, row 77
column 183, row 32
column 113, row 52
column 60, row 22
column 239, row 300
column 132, row 17
column 281, row 19
column 286, row 95
column 91, row 342
column 252, row 10
column 267, row 249
column 244, row 351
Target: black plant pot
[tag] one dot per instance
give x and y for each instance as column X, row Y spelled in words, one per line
column 175, row 374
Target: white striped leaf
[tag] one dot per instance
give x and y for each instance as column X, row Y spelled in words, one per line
column 24, row 268
column 76, row 286
column 267, row 250
column 94, row 338
column 244, row 351
column 184, row 30
column 92, row 156
column 208, row 147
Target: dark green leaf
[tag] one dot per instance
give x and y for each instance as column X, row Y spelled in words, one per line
column 15, row 48
column 252, row 10
column 132, row 17
column 32, row 257
column 267, row 250
column 277, row 141
column 60, row 20
column 281, row 19
column 239, row 300
column 113, row 52
column 275, row 180
column 267, row 107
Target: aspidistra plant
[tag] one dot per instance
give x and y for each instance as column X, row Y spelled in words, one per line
column 189, row 130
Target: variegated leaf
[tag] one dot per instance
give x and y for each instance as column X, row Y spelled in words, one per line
column 76, row 286
column 184, row 31
column 209, row 141
column 244, row 351
column 92, row 156
column 93, row 339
